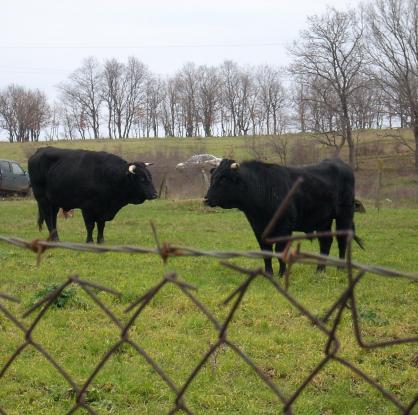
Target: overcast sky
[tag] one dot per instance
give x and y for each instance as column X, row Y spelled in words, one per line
column 43, row 41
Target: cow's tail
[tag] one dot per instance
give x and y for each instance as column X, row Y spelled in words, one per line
column 357, row 239
column 40, row 218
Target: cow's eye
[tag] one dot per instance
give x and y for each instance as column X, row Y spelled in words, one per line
column 222, row 180
column 142, row 179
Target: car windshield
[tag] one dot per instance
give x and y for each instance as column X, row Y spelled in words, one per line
column 17, row 169
column 200, row 158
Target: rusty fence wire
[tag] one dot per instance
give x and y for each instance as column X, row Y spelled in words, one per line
column 328, row 324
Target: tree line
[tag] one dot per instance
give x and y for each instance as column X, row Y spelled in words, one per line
column 352, row 69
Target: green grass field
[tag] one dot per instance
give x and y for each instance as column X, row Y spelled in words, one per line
column 283, row 343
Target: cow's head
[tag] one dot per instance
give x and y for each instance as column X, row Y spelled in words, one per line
column 140, row 183
column 227, row 188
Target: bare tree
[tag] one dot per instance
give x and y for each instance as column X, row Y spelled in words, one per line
column 67, row 120
column 332, row 49
column 393, row 32
column 54, row 123
column 368, row 105
column 324, row 119
column 23, row 113
column 299, row 103
column 230, row 82
column 208, row 97
column 187, row 83
column 113, row 90
column 246, row 95
column 153, row 98
column 272, row 97
column 169, row 106
column 83, row 90
column 39, row 113
column 280, row 147
column 124, row 92
column 137, row 75
column 7, row 112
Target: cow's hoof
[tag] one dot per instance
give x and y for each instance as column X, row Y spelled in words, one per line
column 53, row 236
column 100, row 241
column 320, row 268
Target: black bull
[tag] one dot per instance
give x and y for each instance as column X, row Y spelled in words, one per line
column 98, row 183
column 257, row 189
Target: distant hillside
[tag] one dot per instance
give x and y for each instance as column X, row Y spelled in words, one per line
column 376, row 149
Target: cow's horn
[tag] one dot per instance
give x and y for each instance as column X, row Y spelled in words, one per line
column 148, row 164
column 132, row 168
column 234, row 165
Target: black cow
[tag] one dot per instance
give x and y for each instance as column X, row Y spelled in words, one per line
column 257, row 189
column 98, row 183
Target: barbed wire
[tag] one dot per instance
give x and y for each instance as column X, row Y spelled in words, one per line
column 356, row 272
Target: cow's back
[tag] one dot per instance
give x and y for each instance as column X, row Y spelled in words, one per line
column 44, row 158
column 327, row 189
column 332, row 174
column 70, row 177
column 340, row 177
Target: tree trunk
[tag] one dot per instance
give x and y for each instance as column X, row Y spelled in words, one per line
column 207, row 129
column 348, row 132
column 351, row 148
column 416, row 143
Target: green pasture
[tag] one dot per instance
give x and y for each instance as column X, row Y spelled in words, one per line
column 281, row 341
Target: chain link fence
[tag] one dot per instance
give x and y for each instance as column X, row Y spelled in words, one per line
column 293, row 254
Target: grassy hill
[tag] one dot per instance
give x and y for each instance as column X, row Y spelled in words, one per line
column 379, row 153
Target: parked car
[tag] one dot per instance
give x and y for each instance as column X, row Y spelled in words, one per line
column 200, row 161
column 13, row 179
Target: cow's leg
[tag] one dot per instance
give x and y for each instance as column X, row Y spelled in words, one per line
column 267, row 261
column 48, row 213
column 41, row 214
column 280, row 246
column 258, row 231
column 325, row 243
column 53, row 233
column 100, row 230
column 343, row 223
column 89, row 222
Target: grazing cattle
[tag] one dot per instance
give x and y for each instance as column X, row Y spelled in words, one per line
column 257, row 189
column 98, row 183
